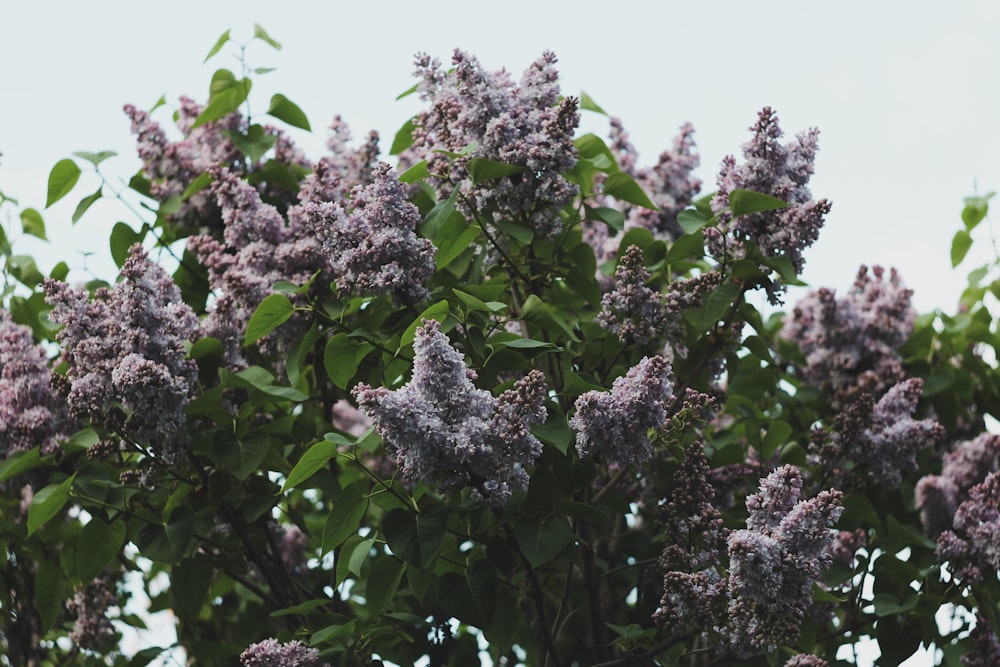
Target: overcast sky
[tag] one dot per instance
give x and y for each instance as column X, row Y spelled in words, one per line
column 905, row 94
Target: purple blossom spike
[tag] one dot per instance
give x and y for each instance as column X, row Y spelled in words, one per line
column 632, row 310
column 92, row 629
column 850, row 343
column 271, row 653
column 483, row 114
column 967, row 464
column 776, row 560
column 31, row 412
column 445, row 431
column 972, row 546
column 127, row 347
column 781, row 171
column 986, row 649
column 613, row 426
column 806, row 660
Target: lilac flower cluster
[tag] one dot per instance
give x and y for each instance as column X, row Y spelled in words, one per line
column 614, row 426
column 484, row 114
column 781, row 171
column 972, row 546
column 126, row 347
column 271, row 653
column 632, row 310
column 669, row 184
column 31, row 413
column 92, row 629
column 967, row 464
column 775, row 561
column 850, row 343
column 986, row 649
column 444, row 430
column 806, row 660
column 876, row 441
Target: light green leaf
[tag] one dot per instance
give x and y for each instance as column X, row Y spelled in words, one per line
column 612, row 217
column 85, row 204
column 342, row 356
column 46, row 503
column 345, row 517
column 32, row 223
column 404, row 135
column 360, row 554
column 315, row 458
column 960, row 245
column 622, row 186
column 20, row 462
column 62, row 178
column 453, row 237
column 588, row 103
column 272, row 312
column 95, row 158
column 691, row 220
column 414, row 173
column 483, row 169
column 123, row 237
column 284, row 109
column 261, row 34
column 219, row 43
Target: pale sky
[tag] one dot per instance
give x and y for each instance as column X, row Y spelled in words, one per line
column 905, row 95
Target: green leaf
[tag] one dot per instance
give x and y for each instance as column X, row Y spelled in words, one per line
column 453, row 595
column 166, row 543
column 124, row 237
column 242, row 456
column 975, row 211
column 437, row 311
column 95, row 158
column 345, row 517
column 691, row 220
column 272, row 312
column 714, row 308
column 360, row 554
column 85, row 204
column 476, row 304
column 437, row 216
column 219, row 43
column 260, row 379
column 482, row 580
column 555, row 431
column 542, row 541
column 743, row 202
column 48, row 502
column 342, row 356
column 383, row 580
column 612, row 217
column 300, row 609
column 777, row 434
column 887, row 604
column 32, row 223
column 254, row 145
column 960, row 245
column 190, row 581
column 622, row 186
column 686, row 247
column 482, row 169
column 404, row 135
column 21, row 462
column 415, row 173
column 98, row 544
column 48, row 592
column 297, row 354
column 415, row 539
column 62, row 178
column 452, row 239
column 24, row 269
column 588, row 103
column 409, row 91
column 316, row 457
column 284, row 109
column 592, row 147
column 227, row 101
column 517, row 231
column 261, row 34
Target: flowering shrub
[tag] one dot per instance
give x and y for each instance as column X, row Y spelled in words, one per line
column 504, row 397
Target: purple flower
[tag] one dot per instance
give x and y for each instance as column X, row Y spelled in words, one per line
column 850, row 343
column 972, row 546
column 986, row 649
column 486, row 115
column 806, row 660
column 127, row 347
column 631, row 310
column 271, row 653
column 967, row 464
column 445, row 431
column 776, row 560
column 613, row 426
column 31, row 413
column 92, row 629
column 781, row 171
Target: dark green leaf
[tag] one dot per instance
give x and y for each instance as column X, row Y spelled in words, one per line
column 32, row 223
column 48, row 591
column 284, row 109
column 452, row 592
column 62, row 178
column 592, row 147
column 300, row 609
column 414, row 173
column 99, row 543
column 437, row 216
column 383, row 580
column 254, row 145
column 85, row 204
column 258, row 378
column 360, row 554
column 261, row 34
column 297, row 354
column 555, row 431
column 743, row 202
column 476, row 304
column 21, row 462
column 542, row 541
column 757, row 345
column 124, row 237
column 189, row 584
column 48, row 502
column 482, row 169
column 166, row 543
column 453, row 237
column 316, row 457
column 227, row 101
column 219, row 43
column 686, row 247
column 345, row 517
column 272, row 312
column 714, row 308
column 960, row 245
column 622, row 186
column 483, row 583
column 342, row 356
column 415, row 539
column 975, row 211
column 242, row 456
column 404, row 136
column 612, row 217
column 887, row 604
column 517, row 231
